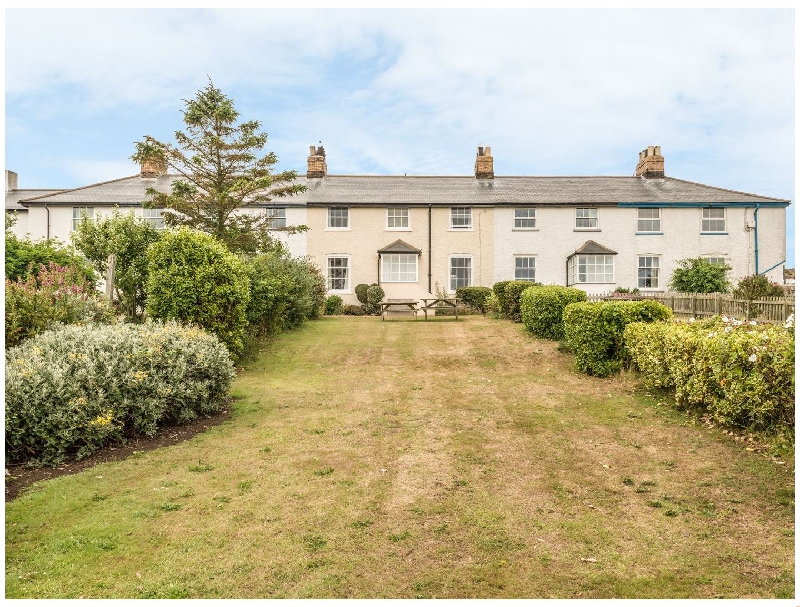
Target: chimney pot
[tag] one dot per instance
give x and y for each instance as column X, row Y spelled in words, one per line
column 651, row 163
column 484, row 163
column 317, row 167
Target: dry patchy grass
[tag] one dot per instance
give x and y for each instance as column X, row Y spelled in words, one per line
column 412, row 459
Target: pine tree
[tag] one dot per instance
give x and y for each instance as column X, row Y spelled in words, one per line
column 221, row 175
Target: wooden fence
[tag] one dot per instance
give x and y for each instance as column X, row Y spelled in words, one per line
column 705, row 305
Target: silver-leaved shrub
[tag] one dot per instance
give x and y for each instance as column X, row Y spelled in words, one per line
column 77, row 388
column 741, row 373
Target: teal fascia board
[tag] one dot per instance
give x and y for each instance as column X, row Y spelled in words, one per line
column 700, row 205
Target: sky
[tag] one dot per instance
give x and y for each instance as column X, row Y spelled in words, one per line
column 409, row 91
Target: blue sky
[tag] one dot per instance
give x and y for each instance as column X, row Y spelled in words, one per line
column 554, row 92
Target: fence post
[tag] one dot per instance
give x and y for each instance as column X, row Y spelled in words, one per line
column 110, row 275
column 694, row 305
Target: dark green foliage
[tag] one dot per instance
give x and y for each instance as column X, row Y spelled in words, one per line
column 594, row 331
column 194, row 279
column 361, row 293
column 283, row 293
column 353, row 310
column 375, row 295
column 24, row 257
column 698, row 275
column 333, row 305
column 542, row 309
column 221, row 173
column 756, row 287
column 474, row 297
column 77, row 388
column 128, row 237
column 508, row 294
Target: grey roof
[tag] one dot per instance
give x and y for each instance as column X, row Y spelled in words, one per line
column 14, row 196
column 365, row 190
column 590, row 247
column 400, row 246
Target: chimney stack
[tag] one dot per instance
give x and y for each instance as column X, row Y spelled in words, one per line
column 651, row 163
column 11, row 181
column 484, row 163
column 317, row 167
column 153, row 167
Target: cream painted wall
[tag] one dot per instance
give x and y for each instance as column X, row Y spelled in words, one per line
column 368, row 233
column 555, row 238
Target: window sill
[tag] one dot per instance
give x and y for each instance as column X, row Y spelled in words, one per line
column 586, row 230
column 340, row 292
column 397, row 229
column 461, row 229
column 337, row 229
column 649, row 233
column 713, row 233
column 524, row 229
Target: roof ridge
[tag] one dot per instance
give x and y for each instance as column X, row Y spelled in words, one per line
column 83, row 187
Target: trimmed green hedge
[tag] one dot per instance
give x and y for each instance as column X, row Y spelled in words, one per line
column 508, row 293
column 741, row 374
column 77, row 388
column 474, row 297
column 542, row 309
column 593, row 331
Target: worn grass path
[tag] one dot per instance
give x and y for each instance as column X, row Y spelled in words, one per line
column 412, row 459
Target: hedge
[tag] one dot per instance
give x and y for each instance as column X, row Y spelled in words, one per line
column 742, row 374
column 542, row 309
column 508, row 293
column 474, row 297
column 593, row 331
column 77, row 388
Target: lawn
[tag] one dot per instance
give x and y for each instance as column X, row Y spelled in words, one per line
column 418, row 459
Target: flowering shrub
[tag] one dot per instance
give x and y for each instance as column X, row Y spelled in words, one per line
column 76, row 388
column 741, row 373
column 54, row 294
column 593, row 331
column 542, row 309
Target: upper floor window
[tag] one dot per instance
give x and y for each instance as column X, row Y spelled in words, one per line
column 397, row 218
column 460, row 218
column 591, row 269
column 81, row 213
column 155, row 217
column 713, row 220
column 399, row 267
column 524, row 218
column 277, row 217
column 648, row 220
column 338, row 217
column 585, row 219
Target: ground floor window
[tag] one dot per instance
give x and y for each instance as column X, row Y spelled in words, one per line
column 591, row 269
column 525, row 268
column 399, row 267
column 460, row 272
column 338, row 273
column 648, row 272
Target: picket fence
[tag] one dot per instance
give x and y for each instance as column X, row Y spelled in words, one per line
column 705, row 305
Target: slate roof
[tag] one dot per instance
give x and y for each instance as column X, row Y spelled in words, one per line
column 13, row 197
column 590, row 247
column 400, row 246
column 366, row 190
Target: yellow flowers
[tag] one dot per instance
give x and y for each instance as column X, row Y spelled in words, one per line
column 103, row 420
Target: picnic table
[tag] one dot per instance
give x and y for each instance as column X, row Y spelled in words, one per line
column 401, row 304
column 440, row 303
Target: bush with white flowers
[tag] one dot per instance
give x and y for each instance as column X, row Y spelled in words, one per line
column 741, row 373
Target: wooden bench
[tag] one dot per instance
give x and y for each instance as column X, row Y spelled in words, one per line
column 398, row 305
column 440, row 303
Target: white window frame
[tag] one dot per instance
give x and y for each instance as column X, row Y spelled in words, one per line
column 154, row 216
column 393, row 214
column 463, row 214
column 645, row 272
column 708, row 220
column 277, row 217
column 451, row 280
column 348, row 273
column 331, row 217
column 654, row 222
column 392, row 265
column 532, row 260
column 520, row 219
column 78, row 213
column 592, row 218
column 716, row 259
column 575, row 262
